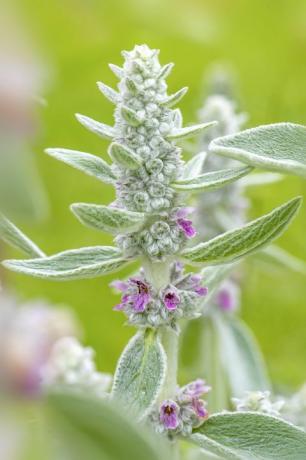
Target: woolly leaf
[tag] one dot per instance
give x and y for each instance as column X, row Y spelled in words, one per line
column 118, row 71
column 280, row 147
column 140, row 372
column 16, row 238
column 108, row 219
column 89, row 262
column 274, row 255
column 261, row 179
column 194, row 167
column 241, row 357
column 87, row 427
column 130, row 116
column 103, row 130
column 240, row 242
column 189, row 131
column 109, row 93
column 90, row 164
column 177, row 118
column 166, row 70
column 124, row 156
column 172, row 100
column 131, row 85
column 212, row 180
column 250, row 435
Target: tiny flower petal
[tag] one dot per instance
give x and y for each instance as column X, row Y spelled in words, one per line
column 199, row 408
column 201, row 290
column 119, row 285
column 187, row 227
column 169, row 414
column 184, row 212
column 171, row 299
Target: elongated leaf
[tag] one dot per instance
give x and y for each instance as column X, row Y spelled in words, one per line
column 73, row 264
column 174, row 99
column 212, row 180
column 130, row 116
column 16, row 238
column 261, row 179
column 251, row 436
column 107, row 218
column 241, row 357
column 98, row 430
column 90, row 164
column 166, row 70
column 276, row 256
column 118, row 71
column 103, row 130
column 280, row 147
column 109, row 93
column 131, row 85
column 124, row 156
column 194, row 167
column 140, row 372
column 234, row 244
column 190, row 131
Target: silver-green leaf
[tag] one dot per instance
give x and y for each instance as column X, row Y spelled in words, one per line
column 112, row 95
column 211, row 180
column 16, row 238
column 103, row 130
column 140, row 372
column 261, row 179
column 275, row 256
column 130, row 116
column 108, row 219
column 97, row 429
column 241, row 357
column 90, row 164
column 89, row 262
column 194, row 167
column 166, row 70
column 279, row 147
column 174, row 99
column 240, row 242
column 124, row 156
column 189, row 131
column 251, row 436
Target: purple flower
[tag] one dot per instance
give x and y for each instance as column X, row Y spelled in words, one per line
column 169, row 414
column 199, row 408
column 225, row 300
column 136, row 293
column 195, row 389
column 171, row 299
column 228, row 296
column 185, row 224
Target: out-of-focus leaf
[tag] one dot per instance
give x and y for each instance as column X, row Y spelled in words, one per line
column 95, row 429
column 194, row 167
column 140, row 372
column 16, row 238
column 274, row 255
column 189, row 131
column 279, row 147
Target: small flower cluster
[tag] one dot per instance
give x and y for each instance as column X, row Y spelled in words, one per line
column 179, row 416
column 143, row 123
column 146, row 307
column 71, row 365
column 258, row 401
column 165, row 235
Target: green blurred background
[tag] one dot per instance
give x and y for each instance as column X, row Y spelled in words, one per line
column 265, row 42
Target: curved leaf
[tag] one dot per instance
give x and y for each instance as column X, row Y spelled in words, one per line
column 189, row 131
column 194, row 167
column 212, row 180
column 274, row 255
column 112, row 95
column 90, row 164
column 251, row 436
column 175, row 98
column 73, row 264
column 107, row 218
column 237, row 243
column 16, row 238
column 124, row 156
column 140, row 372
column 261, row 179
column 280, row 147
column 91, row 428
column 103, row 130
column 241, row 357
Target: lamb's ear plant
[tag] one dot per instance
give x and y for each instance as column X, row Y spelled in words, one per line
column 150, row 223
